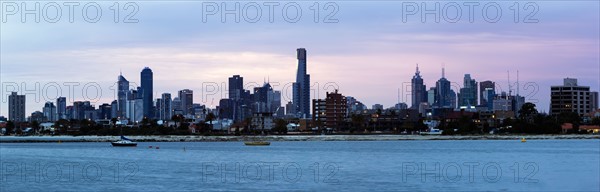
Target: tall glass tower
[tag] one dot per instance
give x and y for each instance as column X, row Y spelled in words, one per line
column 301, row 97
column 146, row 79
column 419, row 94
column 123, row 88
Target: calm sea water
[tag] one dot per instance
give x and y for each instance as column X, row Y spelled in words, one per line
column 537, row 165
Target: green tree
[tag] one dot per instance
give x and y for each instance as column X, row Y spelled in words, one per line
column 357, row 121
column 528, row 112
column 35, row 125
column 10, row 126
column 61, row 125
column 466, row 125
column 280, row 126
column 596, row 121
column 210, row 118
column 570, row 117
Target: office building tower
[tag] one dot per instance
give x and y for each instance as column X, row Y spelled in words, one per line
column 186, row 97
column 146, row 91
column 16, row 107
column 301, row 88
column 571, row 97
column 418, row 90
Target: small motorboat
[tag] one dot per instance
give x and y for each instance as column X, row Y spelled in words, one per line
column 124, row 142
column 257, row 143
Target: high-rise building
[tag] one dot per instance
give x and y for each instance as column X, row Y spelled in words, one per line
column 134, row 110
column 488, row 98
column 236, row 87
column 266, row 100
column 354, row 106
column 158, row 105
column 187, row 100
column 571, row 97
column 331, row 111
column 114, row 105
column 146, row 80
column 61, row 108
column 274, row 98
column 431, row 96
column 468, row 94
column 79, row 109
column 123, row 89
column 16, row 107
column 301, row 88
column 104, row 111
column 239, row 100
column 49, row 111
column 176, row 107
column 289, row 109
column 418, row 90
column 165, row 107
column 37, row 116
column 483, row 86
column 445, row 96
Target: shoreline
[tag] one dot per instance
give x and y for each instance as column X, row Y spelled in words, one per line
column 194, row 138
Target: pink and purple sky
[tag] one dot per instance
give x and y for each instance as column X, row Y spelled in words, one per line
column 369, row 54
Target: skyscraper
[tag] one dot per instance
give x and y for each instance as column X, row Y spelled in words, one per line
column 237, row 98
column 444, row 97
column 61, row 108
column 187, row 100
column 236, row 87
column 165, row 107
column 49, row 111
column 484, row 89
column 114, row 105
column 146, row 80
column 123, row 89
column 176, row 107
column 301, row 88
column 468, row 94
column 418, row 90
column 16, row 107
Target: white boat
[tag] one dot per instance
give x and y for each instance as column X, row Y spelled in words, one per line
column 432, row 132
column 431, row 124
column 124, row 142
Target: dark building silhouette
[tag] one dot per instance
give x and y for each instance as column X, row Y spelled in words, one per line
column 483, row 94
column 445, row 97
column 418, row 90
column 147, row 99
column 468, row 93
column 301, row 88
column 16, row 107
column 123, row 89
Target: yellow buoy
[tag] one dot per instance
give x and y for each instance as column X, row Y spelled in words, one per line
column 523, row 140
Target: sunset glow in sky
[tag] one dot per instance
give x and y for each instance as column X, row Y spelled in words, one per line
column 370, row 53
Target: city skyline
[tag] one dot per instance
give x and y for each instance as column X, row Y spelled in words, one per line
column 453, row 101
column 383, row 59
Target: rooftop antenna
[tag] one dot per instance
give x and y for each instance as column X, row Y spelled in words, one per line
column 418, row 68
column 443, row 72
